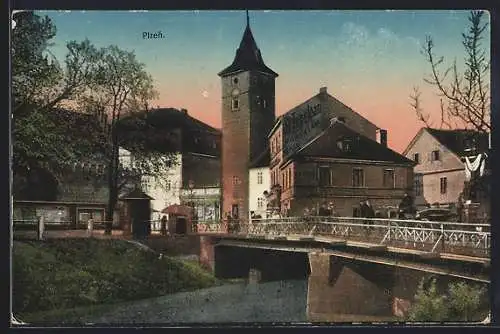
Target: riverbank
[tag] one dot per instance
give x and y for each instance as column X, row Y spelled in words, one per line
column 57, row 275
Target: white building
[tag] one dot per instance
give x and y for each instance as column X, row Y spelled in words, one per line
column 164, row 193
column 259, row 182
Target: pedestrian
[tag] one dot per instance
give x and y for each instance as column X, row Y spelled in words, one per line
column 163, row 225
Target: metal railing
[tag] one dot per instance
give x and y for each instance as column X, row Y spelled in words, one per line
column 429, row 236
column 41, row 226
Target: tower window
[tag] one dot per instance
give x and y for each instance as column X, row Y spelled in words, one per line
column 235, row 81
column 235, row 105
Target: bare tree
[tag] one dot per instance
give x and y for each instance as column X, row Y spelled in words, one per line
column 465, row 97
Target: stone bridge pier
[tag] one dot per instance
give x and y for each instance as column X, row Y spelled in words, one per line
column 342, row 289
column 339, row 288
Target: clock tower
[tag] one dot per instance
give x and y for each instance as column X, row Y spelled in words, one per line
column 248, row 114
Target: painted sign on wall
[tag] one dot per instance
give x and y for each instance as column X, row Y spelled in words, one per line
column 301, row 126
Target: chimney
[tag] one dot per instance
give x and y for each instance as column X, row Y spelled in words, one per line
column 184, row 111
column 382, row 137
column 323, row 90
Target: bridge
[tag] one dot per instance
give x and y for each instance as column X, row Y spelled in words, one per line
column 354, row 266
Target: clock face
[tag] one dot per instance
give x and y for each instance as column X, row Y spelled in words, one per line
column 235, row 92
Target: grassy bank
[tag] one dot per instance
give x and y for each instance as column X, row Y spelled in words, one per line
column 65, row 274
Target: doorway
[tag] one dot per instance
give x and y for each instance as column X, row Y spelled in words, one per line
column 181, row 226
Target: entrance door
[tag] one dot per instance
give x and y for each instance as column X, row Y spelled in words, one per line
column 181, row 226
column 235, row 211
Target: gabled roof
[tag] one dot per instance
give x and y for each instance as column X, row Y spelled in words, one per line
column 136, row 194
column 247, row 57
column 262, row 160
column 325, row 145
column 456, row 140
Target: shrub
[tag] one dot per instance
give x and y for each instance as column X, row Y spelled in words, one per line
column 461, row 302
column 429, row 305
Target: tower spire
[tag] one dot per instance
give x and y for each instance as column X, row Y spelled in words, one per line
column 248, row 20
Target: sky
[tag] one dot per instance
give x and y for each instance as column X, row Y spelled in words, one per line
column 369, row 60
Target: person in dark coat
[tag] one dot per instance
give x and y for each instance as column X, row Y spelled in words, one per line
column 163, row 228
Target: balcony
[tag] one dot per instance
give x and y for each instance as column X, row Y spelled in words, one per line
column 200, row 192
column 316, row 191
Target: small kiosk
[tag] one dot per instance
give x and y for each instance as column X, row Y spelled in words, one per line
column 179, row 218
column 137, row 213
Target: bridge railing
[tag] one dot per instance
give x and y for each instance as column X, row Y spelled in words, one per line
column 450, row 237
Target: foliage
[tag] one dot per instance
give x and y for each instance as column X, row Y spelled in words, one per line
column 465, row 97
column 429, row 304
column 462, row 302
column 40, row 85
column 68, row 273
column 88, row 94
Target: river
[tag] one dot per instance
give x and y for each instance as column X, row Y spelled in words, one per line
column 283, row 301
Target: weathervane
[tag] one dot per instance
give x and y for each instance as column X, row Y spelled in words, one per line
column 248, row 19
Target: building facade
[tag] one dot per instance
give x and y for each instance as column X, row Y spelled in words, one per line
column 259, row 183
column 440, row 172
column 248, row 113
column 340, row 168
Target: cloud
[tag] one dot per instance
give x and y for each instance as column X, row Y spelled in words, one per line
column 354, row 34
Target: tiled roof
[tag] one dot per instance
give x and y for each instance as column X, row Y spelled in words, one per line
column 247, row 57
column 458, row 140
column 262, row 160
column 327, row 144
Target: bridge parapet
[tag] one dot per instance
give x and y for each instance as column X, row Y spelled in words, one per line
column 442, row 237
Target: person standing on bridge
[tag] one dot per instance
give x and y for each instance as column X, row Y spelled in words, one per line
column 367, row 212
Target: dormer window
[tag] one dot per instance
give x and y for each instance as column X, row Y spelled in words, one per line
column 469, row 145
column 344, row 144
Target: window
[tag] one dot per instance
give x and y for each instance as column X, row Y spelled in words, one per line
column 341, row 119
column 259, row 177
column 358, row 177
column 260, row 202
column 435, row 156
column 418, row 185
column 289, row 177
column 236, row 180
column 443, row 185
column 235, row 81
column 416, row 158
column 235, row 105
column 324, row 176
column 344, row 144
column 389, row 178
column 169, row 185
column 264, row 103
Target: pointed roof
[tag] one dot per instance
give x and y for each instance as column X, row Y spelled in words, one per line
column 326, row 145
column 248, row 56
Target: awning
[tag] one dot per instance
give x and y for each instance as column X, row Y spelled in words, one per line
column 176, row 209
